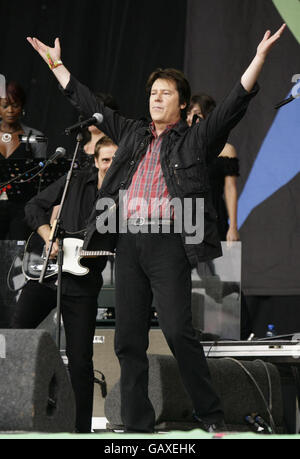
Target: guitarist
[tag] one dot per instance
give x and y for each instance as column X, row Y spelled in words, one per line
column 79, row 293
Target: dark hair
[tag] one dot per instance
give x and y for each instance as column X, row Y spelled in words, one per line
column 15, row 93
column 103, row 142
column 205, row 102
column 182, row 85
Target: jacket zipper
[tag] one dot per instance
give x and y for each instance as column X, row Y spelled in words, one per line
column 176, row 176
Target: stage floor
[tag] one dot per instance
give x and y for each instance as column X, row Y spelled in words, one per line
column 176, row 438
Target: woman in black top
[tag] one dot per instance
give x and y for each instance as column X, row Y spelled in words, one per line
column 12, row 225
column 11, row 110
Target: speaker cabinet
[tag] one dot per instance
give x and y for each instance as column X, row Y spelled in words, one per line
column 240, row 397
column 35, row 391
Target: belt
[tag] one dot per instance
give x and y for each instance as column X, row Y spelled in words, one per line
column 141, row 221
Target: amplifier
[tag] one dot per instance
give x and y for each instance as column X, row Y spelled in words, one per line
column 106, row 362
column 272, row 350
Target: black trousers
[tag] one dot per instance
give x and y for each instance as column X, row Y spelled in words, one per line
column 155, row 266
column 79, row 317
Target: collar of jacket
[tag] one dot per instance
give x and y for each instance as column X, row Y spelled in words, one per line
column 143, row 131
column 179, row 128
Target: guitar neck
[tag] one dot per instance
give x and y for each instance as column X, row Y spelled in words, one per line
column 94, row 254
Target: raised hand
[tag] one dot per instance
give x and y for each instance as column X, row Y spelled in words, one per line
column 45, row 51
column 251, row 75
column 52, row 56
column 268, row 41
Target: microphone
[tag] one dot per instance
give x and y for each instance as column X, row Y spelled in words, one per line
column 97, row 118
column 59, row 153
column 32, row 138
column 196, row 118
column 261, row 422
column 255, row 426
column 284, row 102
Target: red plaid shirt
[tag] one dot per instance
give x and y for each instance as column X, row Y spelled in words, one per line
column 147, row 195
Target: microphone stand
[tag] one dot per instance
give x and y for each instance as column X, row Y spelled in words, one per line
column 58, row 233
column 284, row 102
column 27, row 146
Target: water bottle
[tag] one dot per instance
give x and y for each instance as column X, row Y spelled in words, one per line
column 271, row 331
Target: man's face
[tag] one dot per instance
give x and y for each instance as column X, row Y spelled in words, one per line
column 104, row 160
column 164, row 103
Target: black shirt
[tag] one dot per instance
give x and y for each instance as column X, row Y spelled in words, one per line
column 85, row 160
column 218, row 170
column 79, row 202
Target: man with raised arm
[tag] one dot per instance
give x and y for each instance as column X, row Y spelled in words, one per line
column 157, row 164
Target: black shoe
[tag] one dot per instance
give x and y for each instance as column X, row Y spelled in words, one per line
column 214, row 427
column 139, row 431
column 122, row 429
column 115, row 428
column 217, row 427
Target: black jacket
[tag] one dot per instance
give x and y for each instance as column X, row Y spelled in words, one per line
column 185, row 154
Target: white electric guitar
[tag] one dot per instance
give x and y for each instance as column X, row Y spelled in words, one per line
column 35, row 254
